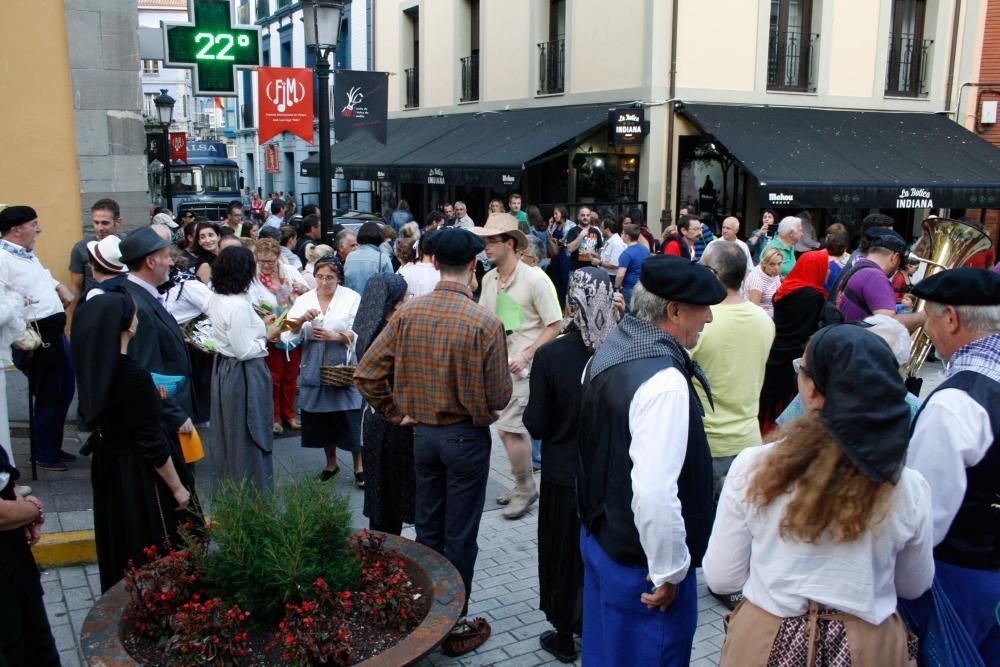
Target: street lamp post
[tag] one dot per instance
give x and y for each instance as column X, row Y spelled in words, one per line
column 322, row 31
column 165, row 110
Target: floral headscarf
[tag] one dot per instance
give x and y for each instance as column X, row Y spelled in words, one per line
column 590, row 297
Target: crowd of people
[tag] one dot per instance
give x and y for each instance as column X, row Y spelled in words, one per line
column 689, row 401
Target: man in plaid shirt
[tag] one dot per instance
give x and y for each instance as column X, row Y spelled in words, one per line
column 440, row 365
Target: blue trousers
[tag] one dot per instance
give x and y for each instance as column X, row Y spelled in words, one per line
column 618, row 629
column 452, row 465
column 975, row 595
column 536, row 453
column 53, row 383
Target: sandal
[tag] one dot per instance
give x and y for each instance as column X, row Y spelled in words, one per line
column 466, row 636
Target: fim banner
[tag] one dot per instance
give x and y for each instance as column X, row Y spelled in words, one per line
column 285, row 102
column 361, row 104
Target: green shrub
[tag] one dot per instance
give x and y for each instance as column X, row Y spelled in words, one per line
column 268, row 549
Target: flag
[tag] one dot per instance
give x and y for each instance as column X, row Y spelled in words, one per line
column 285, row 100
column 361, row 104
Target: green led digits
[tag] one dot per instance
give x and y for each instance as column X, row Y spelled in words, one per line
column 212, row 46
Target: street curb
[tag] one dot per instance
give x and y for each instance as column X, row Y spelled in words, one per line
column 68, row 548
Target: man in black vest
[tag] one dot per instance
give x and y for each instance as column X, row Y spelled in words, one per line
column 954, row 445
column 644, row 483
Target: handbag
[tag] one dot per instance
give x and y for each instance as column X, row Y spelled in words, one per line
column 340, row 375
column 30, row 339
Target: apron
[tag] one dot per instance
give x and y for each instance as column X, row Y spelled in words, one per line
column 819, row 638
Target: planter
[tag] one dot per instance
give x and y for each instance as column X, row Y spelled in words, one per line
column 101, row 637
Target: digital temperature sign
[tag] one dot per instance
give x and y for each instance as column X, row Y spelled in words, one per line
column 211, row 46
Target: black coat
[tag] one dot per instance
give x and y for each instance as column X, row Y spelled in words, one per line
column 159, row 347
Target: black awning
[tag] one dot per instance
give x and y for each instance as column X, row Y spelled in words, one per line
column 820, row 158
column 487, row 149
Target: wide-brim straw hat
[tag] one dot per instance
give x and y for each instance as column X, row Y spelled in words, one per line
column 502, row 223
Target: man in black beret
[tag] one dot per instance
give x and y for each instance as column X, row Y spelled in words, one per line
column 865, row 289
column 645, row 489
column 49, row 369
column 440, row 365
column 954, row 445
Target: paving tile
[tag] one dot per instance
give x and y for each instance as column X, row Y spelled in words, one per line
column 69, row 658
column 77, row 520
column 510, row 610
column 65, row 637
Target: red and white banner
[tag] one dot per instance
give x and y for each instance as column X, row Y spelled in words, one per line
column 271, row 164
column 178, row 148
column 285, row 101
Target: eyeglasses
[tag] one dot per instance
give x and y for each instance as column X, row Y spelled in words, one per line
column 267, row 262
column 800, row 367
column 325, row 278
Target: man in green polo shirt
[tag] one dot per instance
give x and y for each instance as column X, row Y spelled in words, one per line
column 789, row 233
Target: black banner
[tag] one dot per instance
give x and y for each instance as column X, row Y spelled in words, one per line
column 627, row 127
column 360, row 104
column 806, row 195
column 156, row 146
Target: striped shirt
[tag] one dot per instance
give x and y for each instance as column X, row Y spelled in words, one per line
column 442, row 359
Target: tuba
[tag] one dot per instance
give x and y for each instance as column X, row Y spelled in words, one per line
column 952, row 243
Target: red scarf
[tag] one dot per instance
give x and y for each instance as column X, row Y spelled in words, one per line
column 810, row 270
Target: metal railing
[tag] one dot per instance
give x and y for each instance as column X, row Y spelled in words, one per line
column 907, row 68
column 412, row 87
column 470, row 77
column 551, row 66
column 790, row 60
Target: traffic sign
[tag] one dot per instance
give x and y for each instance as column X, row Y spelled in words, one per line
column 211, row 46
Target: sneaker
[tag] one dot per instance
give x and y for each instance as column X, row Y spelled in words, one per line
column 62, row 455
column 278, row 430
column 520, row 501
column 54, row 466
column 504, row 498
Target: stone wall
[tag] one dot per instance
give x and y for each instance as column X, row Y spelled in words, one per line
column 107, row 104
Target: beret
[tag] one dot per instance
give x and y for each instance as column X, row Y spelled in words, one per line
column 427, row 242
column 678, row 279
column 455, row 246
column 12, row 216
column 964, row 286
column 140, row 243
column 882, row 237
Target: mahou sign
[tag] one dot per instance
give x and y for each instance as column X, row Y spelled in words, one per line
column 285, row 100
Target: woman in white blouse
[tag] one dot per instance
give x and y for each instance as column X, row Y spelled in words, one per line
column 825, row 528
column 241, row 434
column 764, row 280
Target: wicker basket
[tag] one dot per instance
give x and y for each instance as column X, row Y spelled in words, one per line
column 341, row 375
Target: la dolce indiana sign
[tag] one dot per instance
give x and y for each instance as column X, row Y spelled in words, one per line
column 802, row 195
column 626, row 127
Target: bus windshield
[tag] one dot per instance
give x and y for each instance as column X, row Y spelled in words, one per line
column 220, row 179
column 182, row 181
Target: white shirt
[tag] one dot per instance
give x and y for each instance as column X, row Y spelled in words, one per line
column 863, row 577
column 151, row 289
column 237, row 330
column 657, row 455
column 420, row 278
column 952, row 433
column 30, row 279
column 188, row 300
column 741, row 244
column 273, row 221
column 339, row 315
column 465, row 222
column 611, row 251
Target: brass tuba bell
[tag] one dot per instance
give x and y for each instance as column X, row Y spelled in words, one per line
column 952, row 243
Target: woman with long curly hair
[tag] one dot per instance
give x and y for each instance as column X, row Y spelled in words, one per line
column 825, row 528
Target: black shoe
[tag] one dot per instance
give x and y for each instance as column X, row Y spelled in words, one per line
column 550, row 642
column 327, row 475
column 359, row 479
column 731, row 600
column 54, row 466
column 63, row 455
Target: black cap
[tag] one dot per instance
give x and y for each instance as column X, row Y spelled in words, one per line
column 12, row 216
column 882, row 237
column 455, row 246
column 427, row 242
column 140, row 243
column 960, row 287
column 678, row 279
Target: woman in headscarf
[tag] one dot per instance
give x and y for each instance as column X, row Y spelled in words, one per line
column 138, row 473
column 797, row 307
column 390, row 481
column 823, row 529
column 552, row 415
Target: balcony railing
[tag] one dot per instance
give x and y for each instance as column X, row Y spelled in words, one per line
column 551, row 66
column 907, row 69
column 412, row 88
column 470, row 77
column 790, row 61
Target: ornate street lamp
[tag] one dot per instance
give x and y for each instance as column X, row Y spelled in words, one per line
column 165, row 110
column 322, row 31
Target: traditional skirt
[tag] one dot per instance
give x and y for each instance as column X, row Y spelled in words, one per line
column 338, row 428
column 242, row 436
column 390, row 479
column 560, row 568
column 821, row 637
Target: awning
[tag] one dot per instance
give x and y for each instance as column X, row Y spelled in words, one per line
column 486, row 149
column 820, row 158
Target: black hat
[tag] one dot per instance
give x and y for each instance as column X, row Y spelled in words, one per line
column 12, row 216
column 141, row 243
column 427, row 242
column 678, row 279
column 455, row 246
column 960, row 287
column 882, row 237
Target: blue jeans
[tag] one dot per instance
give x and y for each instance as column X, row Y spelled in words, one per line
column 536, row 453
